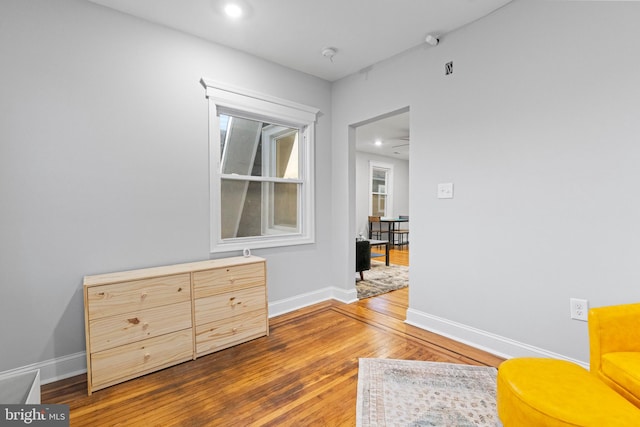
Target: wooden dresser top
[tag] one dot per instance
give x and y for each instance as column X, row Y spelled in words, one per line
column 124, row 276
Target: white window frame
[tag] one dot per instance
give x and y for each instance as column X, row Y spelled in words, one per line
column 241, row 102
column 268, row 165
column 389, row 186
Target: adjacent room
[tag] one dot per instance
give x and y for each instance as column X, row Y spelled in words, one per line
column 182, row 184
column 382, row 204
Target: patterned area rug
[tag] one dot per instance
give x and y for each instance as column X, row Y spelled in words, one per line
column 382, row 279
column 416, row 393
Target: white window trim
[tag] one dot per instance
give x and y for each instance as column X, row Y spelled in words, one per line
column 389, row 190
column 235, row 100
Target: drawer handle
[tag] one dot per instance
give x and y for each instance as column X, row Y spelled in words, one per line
column 145, row 325
column 234, row 330
column 147, row 356
column 143, row 296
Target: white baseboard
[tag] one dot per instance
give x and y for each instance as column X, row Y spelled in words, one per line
column 75, row 364
column 287, row 305
column 54, row 369
column 491, row 343
column 344, row 296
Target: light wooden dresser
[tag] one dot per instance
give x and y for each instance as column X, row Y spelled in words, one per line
column 140, row 321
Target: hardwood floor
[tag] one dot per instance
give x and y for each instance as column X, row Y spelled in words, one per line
column 304, row 374
column 398, row 255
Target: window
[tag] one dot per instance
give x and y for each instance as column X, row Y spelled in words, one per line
column 261, row 170
column 380, row 189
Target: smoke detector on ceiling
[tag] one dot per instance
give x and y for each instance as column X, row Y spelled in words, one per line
column 329, row 52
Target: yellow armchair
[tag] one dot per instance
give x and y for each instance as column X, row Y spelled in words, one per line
column 614, row 339
column 533, row 392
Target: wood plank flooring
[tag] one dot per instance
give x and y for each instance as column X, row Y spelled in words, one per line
column 397, row 254
column 304, row 374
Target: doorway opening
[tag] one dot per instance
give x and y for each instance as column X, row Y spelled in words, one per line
column 380, row 164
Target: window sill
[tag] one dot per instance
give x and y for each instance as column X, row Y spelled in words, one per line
column 239, row 244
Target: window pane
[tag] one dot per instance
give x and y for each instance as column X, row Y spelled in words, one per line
column 286, row 154
column 240, row 209
column 285, row 205
column 240, row 146
column 256, row 148
column 252, row 209
column 378, row 206
column 379, row 180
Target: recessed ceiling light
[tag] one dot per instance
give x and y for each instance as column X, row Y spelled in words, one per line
column 233, row 10
column 378, row 143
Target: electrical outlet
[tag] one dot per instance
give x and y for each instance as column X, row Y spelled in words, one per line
column 579, row 308
column 445, row 190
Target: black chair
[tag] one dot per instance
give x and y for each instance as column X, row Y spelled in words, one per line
column 363, row 257
column 402, row 233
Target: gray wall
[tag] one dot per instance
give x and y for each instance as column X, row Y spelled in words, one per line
column 538, row 130
column 104, row 163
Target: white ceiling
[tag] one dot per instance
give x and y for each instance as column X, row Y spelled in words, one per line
column 392, row 132
column 293, row 33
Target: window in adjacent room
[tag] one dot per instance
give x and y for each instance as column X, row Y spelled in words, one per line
column 261, row 170
column 380, row 186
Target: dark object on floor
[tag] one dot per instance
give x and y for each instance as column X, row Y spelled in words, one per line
column 363, row 256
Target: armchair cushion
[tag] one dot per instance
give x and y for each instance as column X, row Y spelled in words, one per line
column 623, row 368
column 614, row 340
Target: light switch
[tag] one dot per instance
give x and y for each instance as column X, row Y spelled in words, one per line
column 445, row 190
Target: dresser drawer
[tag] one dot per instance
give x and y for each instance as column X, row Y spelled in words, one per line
column 221, row 334
column 230, row 304
column 215, row 281
column 125, row 328
column 124, row 297
column 132, row 360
